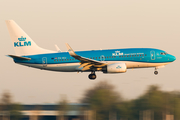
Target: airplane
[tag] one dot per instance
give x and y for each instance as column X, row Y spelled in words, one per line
column 28, row 53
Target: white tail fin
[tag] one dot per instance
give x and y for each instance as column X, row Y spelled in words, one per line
column 22, row 43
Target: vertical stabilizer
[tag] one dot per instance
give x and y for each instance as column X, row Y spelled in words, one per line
column 22, row 43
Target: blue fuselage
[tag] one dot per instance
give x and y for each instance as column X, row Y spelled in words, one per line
column 133, row 57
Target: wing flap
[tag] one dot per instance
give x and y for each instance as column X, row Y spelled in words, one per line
column 83, row 65
column 86, row 67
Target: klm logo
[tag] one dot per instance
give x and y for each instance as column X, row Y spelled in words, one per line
column 21, row 39
column 117, row 53
column 118, row 67
column 22, row 42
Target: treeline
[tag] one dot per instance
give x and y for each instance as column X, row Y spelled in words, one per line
column 107, row 104
column 154, row 104
column 9, row 110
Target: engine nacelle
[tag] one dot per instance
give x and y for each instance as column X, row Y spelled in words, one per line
column 116, row 68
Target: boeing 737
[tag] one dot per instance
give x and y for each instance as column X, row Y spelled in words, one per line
column 28, row 53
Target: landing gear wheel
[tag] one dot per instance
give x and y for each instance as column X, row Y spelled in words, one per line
column 92, row 76
column 155, row 72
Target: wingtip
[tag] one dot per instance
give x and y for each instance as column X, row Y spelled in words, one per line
column 57, row 48
column 70, row 50
column 8, row 56
column 8, row 21
column 67, row 44
column 68, row 47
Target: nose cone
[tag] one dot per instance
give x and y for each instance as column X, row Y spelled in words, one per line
column 172, row 58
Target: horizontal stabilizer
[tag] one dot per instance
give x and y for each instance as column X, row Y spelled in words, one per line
column 19, row 57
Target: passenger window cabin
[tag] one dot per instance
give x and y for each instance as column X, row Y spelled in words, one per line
column 120, row 56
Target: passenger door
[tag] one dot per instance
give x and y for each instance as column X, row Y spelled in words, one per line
column 152, row 55
column 44, row 61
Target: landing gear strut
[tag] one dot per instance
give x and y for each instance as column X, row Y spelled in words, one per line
column 155, row 72
column 92, row 76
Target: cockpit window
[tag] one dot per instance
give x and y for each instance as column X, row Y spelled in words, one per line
column 163, row 53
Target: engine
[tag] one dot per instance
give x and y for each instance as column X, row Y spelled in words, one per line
column 115, row 68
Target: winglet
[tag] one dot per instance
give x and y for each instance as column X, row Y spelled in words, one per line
column 57, row 48
column 70, row 50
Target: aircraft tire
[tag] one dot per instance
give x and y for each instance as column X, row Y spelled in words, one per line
column 92, row 76
column 155, row 72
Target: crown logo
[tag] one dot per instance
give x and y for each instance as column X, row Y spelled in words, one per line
column 118, row 67
column 22, row 39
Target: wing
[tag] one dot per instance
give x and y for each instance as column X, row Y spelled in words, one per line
column 86, row 63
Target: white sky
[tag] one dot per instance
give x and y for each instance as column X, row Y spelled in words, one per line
column 89, row 25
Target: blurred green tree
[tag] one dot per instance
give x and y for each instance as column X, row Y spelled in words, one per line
column 63, row 107
column 8, row 109
column 156, row 104
column 5, row 102
column 15, row 111
column 103, row 99
column 125, row 110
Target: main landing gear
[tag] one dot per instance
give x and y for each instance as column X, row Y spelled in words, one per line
column 155, row 72
column 92, row 76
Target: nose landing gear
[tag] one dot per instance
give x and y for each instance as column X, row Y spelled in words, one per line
column 155, row 72
column 92, row 76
